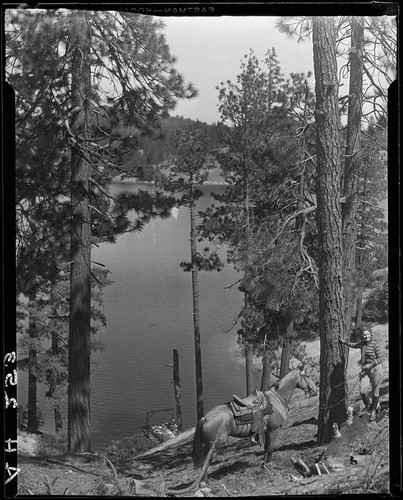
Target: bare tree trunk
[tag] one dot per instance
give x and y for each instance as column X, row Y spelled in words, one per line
column 80, row 271
column 248, row 348
column 53, row 381
column 266, row 373
column 52, row 387
column 286, row 351
column 351, row 166
column 32, row 422
column 196, row 315
column 332, row 405
column 177, row 391
column 249, row 369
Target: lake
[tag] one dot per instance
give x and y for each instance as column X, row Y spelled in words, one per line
column 149, row 313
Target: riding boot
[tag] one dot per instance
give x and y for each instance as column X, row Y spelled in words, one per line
column 374, row 407
column 366, row 400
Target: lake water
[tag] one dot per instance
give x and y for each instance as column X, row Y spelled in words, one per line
column 149, row 313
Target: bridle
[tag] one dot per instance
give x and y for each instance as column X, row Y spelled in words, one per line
column 308, row 382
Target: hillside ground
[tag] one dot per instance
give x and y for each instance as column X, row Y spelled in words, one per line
column 133, row 467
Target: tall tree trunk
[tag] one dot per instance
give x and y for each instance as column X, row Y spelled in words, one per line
column 248, row 348
column 177, row 391
column 351, row 166
column 249, row 368
column 332, row 405
column 80, row 290
column 196, row 315
column 56, row 405
column 32, row 422
column 358, row 309
column 53, row 382
column 266, row 373
column 286, row 350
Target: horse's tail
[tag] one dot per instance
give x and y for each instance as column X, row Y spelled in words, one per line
column 198, row 445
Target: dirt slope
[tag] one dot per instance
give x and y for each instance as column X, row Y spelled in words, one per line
column 236, row 470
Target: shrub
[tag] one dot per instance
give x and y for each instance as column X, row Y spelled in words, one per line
column 125, row 449
column 52, row 444
column 376, row 307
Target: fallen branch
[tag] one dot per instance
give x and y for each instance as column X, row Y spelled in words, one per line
column 57, row 462
column 225, row 489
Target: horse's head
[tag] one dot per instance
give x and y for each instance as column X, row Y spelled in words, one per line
column 306, row 383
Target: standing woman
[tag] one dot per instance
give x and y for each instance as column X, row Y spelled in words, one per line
column 371, row 369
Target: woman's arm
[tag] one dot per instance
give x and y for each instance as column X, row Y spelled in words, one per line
column 353, row 345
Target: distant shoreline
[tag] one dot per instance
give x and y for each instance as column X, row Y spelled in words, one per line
column 134, row 180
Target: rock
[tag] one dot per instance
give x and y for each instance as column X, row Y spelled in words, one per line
column 27, row 443
column 143, row 488
column 207, row 492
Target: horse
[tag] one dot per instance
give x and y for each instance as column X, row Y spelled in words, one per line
column 219, row 423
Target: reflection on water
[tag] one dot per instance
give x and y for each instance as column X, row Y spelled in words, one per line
column 149, row 313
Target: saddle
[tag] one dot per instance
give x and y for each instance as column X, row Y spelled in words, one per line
column 250, row 411
column 255, row 400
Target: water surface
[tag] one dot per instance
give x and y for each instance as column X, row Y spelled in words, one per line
column 149, row 313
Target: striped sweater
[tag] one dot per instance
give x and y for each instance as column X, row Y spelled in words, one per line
column 373, row 352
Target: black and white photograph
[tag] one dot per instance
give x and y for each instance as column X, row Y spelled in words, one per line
column 201, row 255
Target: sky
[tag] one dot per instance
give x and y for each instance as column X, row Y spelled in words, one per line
column 209, row 51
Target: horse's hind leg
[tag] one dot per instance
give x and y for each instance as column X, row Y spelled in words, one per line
column 268, row 447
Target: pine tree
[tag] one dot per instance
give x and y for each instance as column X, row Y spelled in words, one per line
column 371, row 62
column 262, row 162
column 351, row 166
column 191, row 169
column 70, row 144
column 331, row 295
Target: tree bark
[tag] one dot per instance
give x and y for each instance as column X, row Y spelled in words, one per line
column 332, row 406
column 177, row 391
column 249, row 369
column 53, row 381
column 266, row 373
column 196, row 315
column 32, row 422
column 80, row 290
column 286, row 350
column 358, row 310
column 248, row 348
column 351, row 166
column 52, row 387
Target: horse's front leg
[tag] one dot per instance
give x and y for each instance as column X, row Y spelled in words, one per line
column 268, row 447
